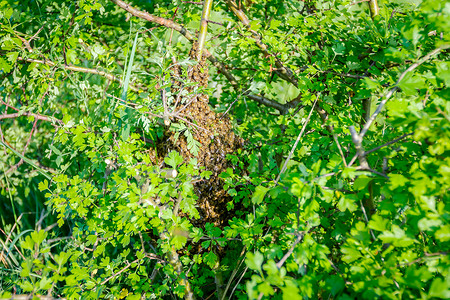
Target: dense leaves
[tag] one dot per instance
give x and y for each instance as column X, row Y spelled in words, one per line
column 340, row 190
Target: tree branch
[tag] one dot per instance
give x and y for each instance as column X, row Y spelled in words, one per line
column 388, row 143
column 395, row 88
column 36, row 116
column 283, row 169
column 282, row 71
column 286, row 256
column 151, row 18
column 79, row 69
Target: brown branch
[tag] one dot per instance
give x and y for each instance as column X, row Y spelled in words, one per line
column 290, row 251
column 80, row 69
column 151, row 18
column 121, row 271
column 175, row 26
column 36, row 116
column 33, row 296
column 267, row 102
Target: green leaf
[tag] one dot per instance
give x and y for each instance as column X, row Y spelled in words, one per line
column 266, row 289
column 378, row 223
column 336, row 283
column 178, row 241
column 56, row 150
column 410, row 83
column 259, row 194
column 12, row 56
column 39, row 236
column 440, row 289
column 125, row 240
column 347, row 202
column 210, row 259
column 361, row 182
column 43, row 185
column 173, row 159
column 443, row 234
column 254, row 261
column 350, row 254
column 397, row 237
column 291, row 292
column 397, row 180
column 45, row 283
column 27, row 286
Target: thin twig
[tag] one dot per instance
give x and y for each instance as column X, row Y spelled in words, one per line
column 219, row 65
column 286, row 256
column 395, row 88
column 36, row 116
column 239, row 280
column 340, row 149
column 24, row 149
column 244, row 250
column 283, row 169
column 120, row 272
column 388, row 143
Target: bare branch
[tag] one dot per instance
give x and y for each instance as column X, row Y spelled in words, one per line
column 175, row 26
column 151, row 18
column 388, row 143
column 357, row 140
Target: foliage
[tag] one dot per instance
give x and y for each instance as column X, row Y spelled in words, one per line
column 357, row 207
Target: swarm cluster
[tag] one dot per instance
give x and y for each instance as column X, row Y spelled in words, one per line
column 217, row 139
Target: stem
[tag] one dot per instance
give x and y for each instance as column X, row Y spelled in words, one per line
column 374, row 9
column 203, row 28
column 283, row 169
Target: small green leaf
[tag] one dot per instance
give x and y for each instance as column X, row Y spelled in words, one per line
column 397, row 180
column 43, row 185
column 347, row 202
column 259, row 194
column 378, row 223
column 350, row 254
column 443, row 234
column 173, row 159
column 361, row 182
column 254, row 261
column 210, row 259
